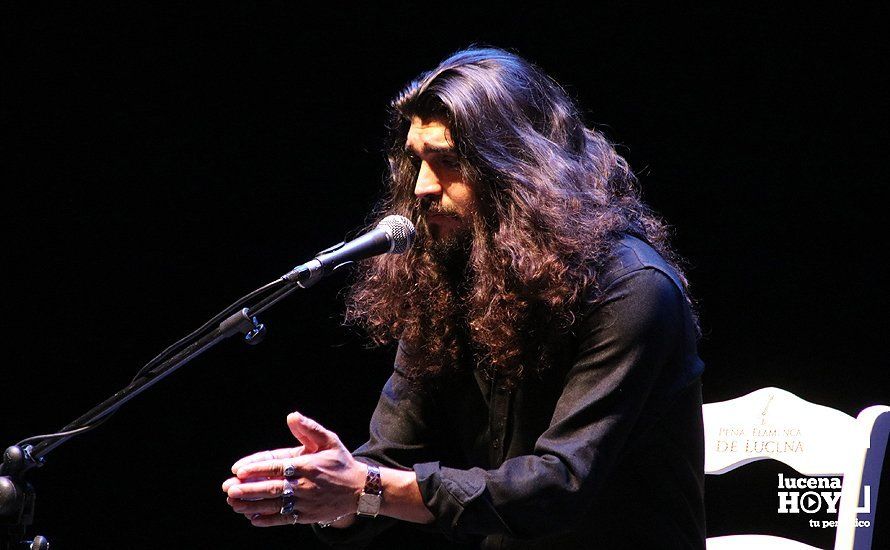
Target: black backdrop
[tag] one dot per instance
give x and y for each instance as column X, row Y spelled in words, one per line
column 161, row 161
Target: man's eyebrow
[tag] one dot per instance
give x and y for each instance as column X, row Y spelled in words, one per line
column 431, row 150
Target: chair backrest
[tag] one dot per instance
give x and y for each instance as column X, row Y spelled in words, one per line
column 863, row 476
column 813, row 439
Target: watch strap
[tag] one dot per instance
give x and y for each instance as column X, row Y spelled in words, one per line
column 373, row 486
column 371, row 496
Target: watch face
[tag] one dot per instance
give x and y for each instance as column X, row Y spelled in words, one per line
column 368, row 504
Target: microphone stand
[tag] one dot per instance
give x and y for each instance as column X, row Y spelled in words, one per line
column 17, row 496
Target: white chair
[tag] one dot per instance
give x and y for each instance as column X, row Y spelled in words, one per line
column 812, row 439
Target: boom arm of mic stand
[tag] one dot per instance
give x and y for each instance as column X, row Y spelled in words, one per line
column 16, row 494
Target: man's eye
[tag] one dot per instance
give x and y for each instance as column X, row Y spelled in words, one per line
column 450, row 162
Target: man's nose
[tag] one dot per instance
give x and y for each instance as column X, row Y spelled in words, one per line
column 427, row 182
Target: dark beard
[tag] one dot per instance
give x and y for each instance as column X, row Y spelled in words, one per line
column 453, row 254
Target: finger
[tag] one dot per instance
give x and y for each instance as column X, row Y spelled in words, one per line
column 265, row 506
column 274, row 520
column 297, row 429
column 271, row 488
column 289, row 452
column 273, row 468
column 229, row 482
column 311, row 434
column 234, row 481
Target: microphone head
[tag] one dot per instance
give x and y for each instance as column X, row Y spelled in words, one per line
column 401, row 231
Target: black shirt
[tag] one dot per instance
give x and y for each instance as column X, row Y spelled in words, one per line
column 605, row 451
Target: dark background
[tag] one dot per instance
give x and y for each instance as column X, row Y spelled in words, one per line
column 159, row 162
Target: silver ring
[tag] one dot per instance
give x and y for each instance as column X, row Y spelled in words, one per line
column 287, row 489
column 290, row 471
column 294, row 517
column 287, row 507
column 288, row 500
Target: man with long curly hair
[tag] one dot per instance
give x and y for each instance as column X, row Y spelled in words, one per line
column 546, row 387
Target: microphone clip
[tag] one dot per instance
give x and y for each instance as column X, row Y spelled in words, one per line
column 251, row 327
column 306, row 275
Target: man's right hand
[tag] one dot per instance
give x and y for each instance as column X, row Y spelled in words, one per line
column 324, row 485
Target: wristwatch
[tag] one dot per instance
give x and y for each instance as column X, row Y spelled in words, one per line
column 372, row 495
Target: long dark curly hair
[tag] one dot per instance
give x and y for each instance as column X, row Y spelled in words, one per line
column 553, row 197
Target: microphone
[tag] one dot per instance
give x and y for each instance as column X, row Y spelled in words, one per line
column 394, row 234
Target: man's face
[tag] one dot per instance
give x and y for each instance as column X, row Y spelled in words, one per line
column 447, row 199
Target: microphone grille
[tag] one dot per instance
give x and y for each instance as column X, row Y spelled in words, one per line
column 401, row 230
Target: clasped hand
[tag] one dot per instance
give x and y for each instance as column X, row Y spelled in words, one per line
column 324, row 477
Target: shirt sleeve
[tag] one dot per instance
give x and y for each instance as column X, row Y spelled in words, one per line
column 625, row 340
column 404, row 432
